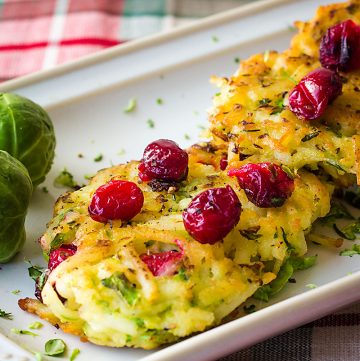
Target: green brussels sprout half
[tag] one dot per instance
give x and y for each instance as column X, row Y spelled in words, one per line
column 15, row 189
column 27, row 133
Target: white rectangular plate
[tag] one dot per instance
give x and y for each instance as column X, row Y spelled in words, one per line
column 86, row 100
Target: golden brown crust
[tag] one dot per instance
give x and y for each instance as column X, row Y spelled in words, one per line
column 37, row 308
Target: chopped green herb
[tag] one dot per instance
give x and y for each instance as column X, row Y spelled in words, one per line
column 187, row 136
column 74, row 354
column 6, row 315
column 249, row 309
column 65, row 179
column 251, row 233
column 286, row 75
column 131, row 106
column 35, row 325
column 38, row 274
column 337, row 211
column 55, row 347
column 35, row 271
column 279, row 106
column 58, row 240
column 139, row 322
column 150, row 123
column 291, row 28
column 291, row 265
column 353, row 197
column 264, row 102
column 23, row 332
column 302, row 263
column 149, row 243
column 355, row 249
column 335, row 165
column 217, row 94
column 200, row 126
column 348, row 232
column 310, row 136
column 120, row 283
column 288, row 171
column 159, row 101
column 98, row 158
column 311, row 286
column 237, row 60
column 215, row 39
column 15, row 292
column 45, row 190
column 182, row 274
column 121, row 152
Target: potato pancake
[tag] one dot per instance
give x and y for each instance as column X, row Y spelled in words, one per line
column 108, row 295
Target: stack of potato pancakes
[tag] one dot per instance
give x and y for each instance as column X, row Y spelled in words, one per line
column 235, row 218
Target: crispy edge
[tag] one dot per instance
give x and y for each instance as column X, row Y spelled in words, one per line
column 37, row 308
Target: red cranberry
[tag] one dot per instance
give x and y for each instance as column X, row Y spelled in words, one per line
column 314, row 92
column 163, row 263
column 60, row 254
column 116, row 199
column 340, row 47
column 265, row 184
column 164, row 159
column 212, row 214
column 223, row 162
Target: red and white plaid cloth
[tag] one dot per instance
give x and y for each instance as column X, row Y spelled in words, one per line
column 39, row 34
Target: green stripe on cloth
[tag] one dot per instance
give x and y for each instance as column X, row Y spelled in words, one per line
column 141, row 7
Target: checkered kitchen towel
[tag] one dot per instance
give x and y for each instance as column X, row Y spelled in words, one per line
column 39, row 34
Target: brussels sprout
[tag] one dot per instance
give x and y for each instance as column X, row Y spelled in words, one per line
column 15, row 190
column 27, row 133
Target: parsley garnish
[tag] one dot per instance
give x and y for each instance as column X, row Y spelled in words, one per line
column 35, row 325
column 131, row 106
column 74, row 354
column 159, row 101
column 120, row 283
column 310, row 136
column 348, row 232
column 215, row 39
column 98, row 158
column 279, row 106
column 355, row 249
column 65, row 179
column 23, row 332
column 251, row 233
column 55, row 347
column 6, row 315
column 264, row 102
column 337, row 211
column 150, row 123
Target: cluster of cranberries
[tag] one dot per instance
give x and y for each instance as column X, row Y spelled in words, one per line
column 212, row 214
column 339, row 51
